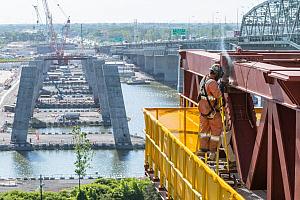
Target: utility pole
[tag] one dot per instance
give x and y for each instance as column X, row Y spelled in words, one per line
column 135, row 31
column 212, row 26
column 41, row 187
column 81, row 36
column 237, row 19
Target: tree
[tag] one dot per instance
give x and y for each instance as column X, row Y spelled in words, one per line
column 84, row 154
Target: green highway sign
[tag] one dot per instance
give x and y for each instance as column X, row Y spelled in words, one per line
column 179, row 31
column 118, row 39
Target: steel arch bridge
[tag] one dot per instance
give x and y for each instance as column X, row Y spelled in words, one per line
column 272, row 20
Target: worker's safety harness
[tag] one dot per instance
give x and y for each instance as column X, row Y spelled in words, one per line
column 203, row 94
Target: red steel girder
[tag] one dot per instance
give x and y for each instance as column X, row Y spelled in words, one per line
column 272, row 82
column 268, row 155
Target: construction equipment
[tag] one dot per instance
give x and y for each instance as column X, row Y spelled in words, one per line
column 49, row 24
column 64, row 31
column 38, row 16
column 56, row 46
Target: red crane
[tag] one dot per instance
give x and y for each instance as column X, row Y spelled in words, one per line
column 59, row 49
column 49, row 23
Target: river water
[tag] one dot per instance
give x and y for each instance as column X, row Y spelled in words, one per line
column 107, row 163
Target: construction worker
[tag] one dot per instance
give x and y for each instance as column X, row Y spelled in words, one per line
column 209, row 108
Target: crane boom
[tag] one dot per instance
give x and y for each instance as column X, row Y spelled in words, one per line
column 59, row 49
column 49, row 24
column 65, row 33
column 38, row 16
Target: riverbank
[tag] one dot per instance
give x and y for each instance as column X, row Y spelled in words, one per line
column 55, row 185
column 106, row 162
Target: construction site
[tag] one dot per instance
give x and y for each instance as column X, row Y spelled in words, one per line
column 213, row 119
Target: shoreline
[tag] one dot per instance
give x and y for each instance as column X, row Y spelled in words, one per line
column 55, row 141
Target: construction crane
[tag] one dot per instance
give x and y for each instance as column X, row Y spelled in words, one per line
column 65, row 31
column 49, row 23
column 38, row 16
column 59, row 49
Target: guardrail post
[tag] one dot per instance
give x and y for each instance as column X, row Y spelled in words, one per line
column 156, row 140
column 180, row 101
column 184, row 126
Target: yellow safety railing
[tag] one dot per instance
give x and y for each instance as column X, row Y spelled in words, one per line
column 171, row 139
column 187, row 102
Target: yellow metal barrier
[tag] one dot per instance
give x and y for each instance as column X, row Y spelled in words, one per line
column 187, row 102
column 171, row 138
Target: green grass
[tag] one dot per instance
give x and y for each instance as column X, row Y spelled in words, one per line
column 6, row 60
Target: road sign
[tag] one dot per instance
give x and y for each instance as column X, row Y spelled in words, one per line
column 179, row 31
column 118, row 39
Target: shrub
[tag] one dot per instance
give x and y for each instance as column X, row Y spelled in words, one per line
column 104, row 189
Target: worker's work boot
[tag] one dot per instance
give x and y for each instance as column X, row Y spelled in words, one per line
column 201, row 152
column 232, row 165
column 204, row 141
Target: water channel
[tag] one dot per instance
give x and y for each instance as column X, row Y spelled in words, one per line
column 107, row 163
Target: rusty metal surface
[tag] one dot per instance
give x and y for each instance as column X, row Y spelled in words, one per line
column 297, row 157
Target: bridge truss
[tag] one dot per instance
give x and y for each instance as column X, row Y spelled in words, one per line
column 276, row 20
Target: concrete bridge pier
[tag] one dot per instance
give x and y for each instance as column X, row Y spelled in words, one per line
column 149, row 64
column 30, row 82
column 132, row 58
column 42, row 69
column 171, row 69
column 166, row 68
column 141, row 61
column 116, row 106
column 89, row 72
column 101, row 90
column 161, row 63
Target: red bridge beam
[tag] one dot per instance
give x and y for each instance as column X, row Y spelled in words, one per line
column 271, row 81
column 268, row 156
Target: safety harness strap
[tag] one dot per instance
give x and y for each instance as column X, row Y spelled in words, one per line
column 212, row 107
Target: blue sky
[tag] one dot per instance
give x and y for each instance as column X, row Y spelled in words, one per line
column 81, row 11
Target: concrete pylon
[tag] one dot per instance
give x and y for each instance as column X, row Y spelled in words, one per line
column 30, row 83
column 161, row 63
column 141, row 61
column 149, row 64
column 89, row 71
column 116, row 107
column 171, row 68
column 101, row 90
column 106, row 86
